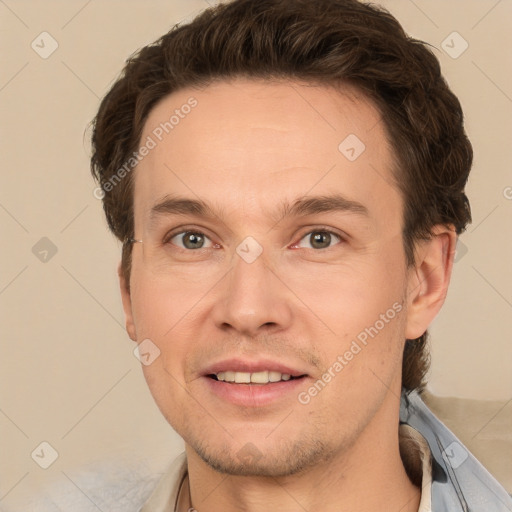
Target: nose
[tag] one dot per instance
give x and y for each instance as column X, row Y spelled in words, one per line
column 253, row 299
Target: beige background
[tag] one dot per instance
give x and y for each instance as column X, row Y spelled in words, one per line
column 68, row 374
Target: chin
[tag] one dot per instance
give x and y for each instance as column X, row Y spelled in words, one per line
column 288, row 458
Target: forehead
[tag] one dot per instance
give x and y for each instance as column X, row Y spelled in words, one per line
column 246, row 145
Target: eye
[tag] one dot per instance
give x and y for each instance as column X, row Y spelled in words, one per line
column 320, row 239
column 191, row 240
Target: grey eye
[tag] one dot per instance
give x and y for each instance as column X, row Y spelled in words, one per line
column 191, row 240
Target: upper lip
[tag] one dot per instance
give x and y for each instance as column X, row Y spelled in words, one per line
column 252, row 366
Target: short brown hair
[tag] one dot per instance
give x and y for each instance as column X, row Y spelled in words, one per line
column 314, row 41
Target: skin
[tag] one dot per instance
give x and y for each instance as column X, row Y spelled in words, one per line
column 244, row 149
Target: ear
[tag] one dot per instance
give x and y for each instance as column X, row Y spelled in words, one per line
column 127, row 304
column 429, row 279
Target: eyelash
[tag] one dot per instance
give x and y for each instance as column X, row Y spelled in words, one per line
column 320, row 230
column 170, row 236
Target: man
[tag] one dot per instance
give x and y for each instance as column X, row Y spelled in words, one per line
column 287, row 178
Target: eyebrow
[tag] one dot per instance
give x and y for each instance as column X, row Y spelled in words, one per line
column 300, row 207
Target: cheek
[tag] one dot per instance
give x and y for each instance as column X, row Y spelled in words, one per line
column 160, row 304
column 363, row 306
column 161, row 314
column 168, row 312
column 353, row 295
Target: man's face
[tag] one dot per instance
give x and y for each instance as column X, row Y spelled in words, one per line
column 317, row 283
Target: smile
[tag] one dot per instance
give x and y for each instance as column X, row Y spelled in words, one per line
column 261, row 377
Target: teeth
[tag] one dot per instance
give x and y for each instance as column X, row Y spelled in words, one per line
column 259, row 377
column 242, row 378
column 263, row 377
column 274, row 376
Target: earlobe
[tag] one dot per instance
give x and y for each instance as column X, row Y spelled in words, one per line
column 127, row 304
column 429, row 280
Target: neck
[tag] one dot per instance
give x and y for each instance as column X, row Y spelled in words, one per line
column 363, row 477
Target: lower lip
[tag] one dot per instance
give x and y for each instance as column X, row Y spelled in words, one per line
column 254, row 395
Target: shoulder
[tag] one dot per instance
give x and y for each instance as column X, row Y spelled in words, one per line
column 459, row 481
column 116, row 486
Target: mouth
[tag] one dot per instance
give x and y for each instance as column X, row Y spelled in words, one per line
column 262, row 377
column 253, row 383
